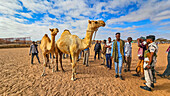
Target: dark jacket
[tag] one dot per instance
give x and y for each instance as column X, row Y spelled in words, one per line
column 97, row 47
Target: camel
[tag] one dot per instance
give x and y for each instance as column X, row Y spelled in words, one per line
column 72, row 44
column 48, row 46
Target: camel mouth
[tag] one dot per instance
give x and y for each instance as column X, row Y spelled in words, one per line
column 103, row 25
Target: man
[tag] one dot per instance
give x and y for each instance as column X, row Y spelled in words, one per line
column 108, row 53
column 104, row 52
column 86, row 56
column 142, row 47
column 118, row 54
column 150, row 63
column 128, row 54
column 97, row 49
column 34, row 51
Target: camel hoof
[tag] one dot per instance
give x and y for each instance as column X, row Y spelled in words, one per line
column 63, row 70
column 43, row 74
column 73, row 79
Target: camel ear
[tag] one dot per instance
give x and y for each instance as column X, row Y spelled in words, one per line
column 89, row 22
column 51, row 29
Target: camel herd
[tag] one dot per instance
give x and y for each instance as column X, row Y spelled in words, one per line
column 69, row 44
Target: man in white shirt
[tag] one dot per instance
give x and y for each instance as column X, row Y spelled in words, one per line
column 108, row 53
column 128, row 54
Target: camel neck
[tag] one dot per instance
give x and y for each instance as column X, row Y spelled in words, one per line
column 52, row 41
column 87, row 40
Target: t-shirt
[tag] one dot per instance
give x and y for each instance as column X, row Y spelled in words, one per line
column 128, row 49
column 108, row 50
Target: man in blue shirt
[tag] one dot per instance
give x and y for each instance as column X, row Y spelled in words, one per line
column 118, row 54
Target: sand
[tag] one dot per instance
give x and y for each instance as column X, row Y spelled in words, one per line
column 19, row 78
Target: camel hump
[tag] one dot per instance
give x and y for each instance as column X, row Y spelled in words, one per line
column 46, row 35
column 66, row 32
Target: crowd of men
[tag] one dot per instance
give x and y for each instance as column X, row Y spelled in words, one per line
column 119, row 52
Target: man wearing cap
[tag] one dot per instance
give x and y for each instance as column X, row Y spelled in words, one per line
column 149, row 66
column 34, row 51
column 118, row 55
column 142, row 47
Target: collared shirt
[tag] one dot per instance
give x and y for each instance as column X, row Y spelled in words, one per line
column 108, row 50
column 33, row 49
column 118, row 45
column 152, row 47
column 128, row 49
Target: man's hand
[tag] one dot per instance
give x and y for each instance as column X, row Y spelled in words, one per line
column 148, row 66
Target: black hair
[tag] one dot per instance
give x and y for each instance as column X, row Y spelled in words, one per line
column 105, row 41
column 109, row 37
column 129, row 38
column 117, row 33
column 152, row 37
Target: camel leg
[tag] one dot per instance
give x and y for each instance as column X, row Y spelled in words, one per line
column 44, row 64
column 52, row 61
column 56, row 54
column 61, row 61
column 76, row 58
column 73, row 67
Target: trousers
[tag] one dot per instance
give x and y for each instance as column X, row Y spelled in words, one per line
column 148, row 76
column 120, row 65
column 32, row 57
column 108, row 61
column 86, row 58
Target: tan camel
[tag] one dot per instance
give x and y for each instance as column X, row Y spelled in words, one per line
column 48, row 46
column 72, row 44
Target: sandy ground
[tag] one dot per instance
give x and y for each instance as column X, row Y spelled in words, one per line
column 19, row 78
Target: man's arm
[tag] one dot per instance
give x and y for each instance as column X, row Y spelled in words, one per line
column 95, row 47
column 150, row 60
column 112, row 49
column 30, row 50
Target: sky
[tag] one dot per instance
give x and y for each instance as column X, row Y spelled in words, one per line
column 132, row 18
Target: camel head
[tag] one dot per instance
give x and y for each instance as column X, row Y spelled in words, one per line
column 54, row 31
column 94, row 25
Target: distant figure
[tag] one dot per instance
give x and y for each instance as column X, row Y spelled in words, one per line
column 149, row 63
column 97, row 49
column 108, row 53
column 128, row 54
column 118, row 55
column 142, row 47
column 104, row 52
column 167, row 71
column 65, row 55
column 34, row 51
column 86, row 57
column 100, row 50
